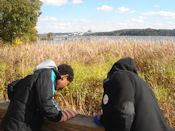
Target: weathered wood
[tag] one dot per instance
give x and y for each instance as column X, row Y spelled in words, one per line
column 79, row 123
column 3, row 108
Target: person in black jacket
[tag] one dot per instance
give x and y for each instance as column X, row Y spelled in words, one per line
column 32, row 98
column 128, row 103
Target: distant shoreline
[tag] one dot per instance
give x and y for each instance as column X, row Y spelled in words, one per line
column 57, row 39
column 123, row 32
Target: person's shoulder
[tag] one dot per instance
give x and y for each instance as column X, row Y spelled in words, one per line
column 120, row 74
column 43, row 71
column 123, row 76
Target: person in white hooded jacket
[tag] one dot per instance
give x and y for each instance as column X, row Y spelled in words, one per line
column 32, row 98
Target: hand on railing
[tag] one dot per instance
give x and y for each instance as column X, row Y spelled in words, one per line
column 68, row 114
column 96, row 120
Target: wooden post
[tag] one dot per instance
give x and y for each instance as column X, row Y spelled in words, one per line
column 79, row 123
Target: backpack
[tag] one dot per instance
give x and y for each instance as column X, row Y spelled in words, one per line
column 11, row 87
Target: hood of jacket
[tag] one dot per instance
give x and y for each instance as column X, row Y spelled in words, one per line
column 48, row 64
column 127, row 64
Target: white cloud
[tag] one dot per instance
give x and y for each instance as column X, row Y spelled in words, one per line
column 47, row 18
column 71, row 26
column 124, row 9
column 55, row 2
column 139, row 19
column 52, row 24
column 77, row 2
column 105, row 8
column 160, row 13
column 83, row 20
column 156, row 6
column 145, row 22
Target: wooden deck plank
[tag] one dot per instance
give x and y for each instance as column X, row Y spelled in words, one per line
column 78, row 123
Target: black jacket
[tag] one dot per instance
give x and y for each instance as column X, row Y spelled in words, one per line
column 128, row 103
column 32, row 101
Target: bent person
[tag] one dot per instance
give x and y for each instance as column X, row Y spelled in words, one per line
column 128, row 103
column 32, row 98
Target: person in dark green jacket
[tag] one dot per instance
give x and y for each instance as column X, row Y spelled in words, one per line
column 32, row 98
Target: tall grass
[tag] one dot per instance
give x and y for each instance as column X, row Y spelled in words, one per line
column 91, row 61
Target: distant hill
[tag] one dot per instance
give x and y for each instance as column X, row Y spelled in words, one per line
column 137, row 32
column 124, row 32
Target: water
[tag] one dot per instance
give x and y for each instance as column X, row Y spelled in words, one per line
column 158, row 39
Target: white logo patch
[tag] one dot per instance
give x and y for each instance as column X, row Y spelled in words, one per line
column 105, row 99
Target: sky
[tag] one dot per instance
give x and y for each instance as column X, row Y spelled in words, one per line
column 60, row 16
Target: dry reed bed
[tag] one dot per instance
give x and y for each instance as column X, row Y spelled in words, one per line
column 97, row 52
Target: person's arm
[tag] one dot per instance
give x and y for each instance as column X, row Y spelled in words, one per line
column 67, row 114
column 123, row 110
column 44, row 96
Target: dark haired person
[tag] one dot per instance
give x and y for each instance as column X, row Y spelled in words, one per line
column 128, row 103
column 32, row 98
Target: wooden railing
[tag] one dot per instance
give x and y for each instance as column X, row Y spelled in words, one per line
column 79, row 123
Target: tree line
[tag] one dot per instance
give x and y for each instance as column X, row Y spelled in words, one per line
column 137, row 32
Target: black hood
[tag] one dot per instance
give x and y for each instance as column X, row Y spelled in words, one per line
column 127, row 64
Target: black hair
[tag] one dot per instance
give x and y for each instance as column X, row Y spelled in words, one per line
column 65, row 69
